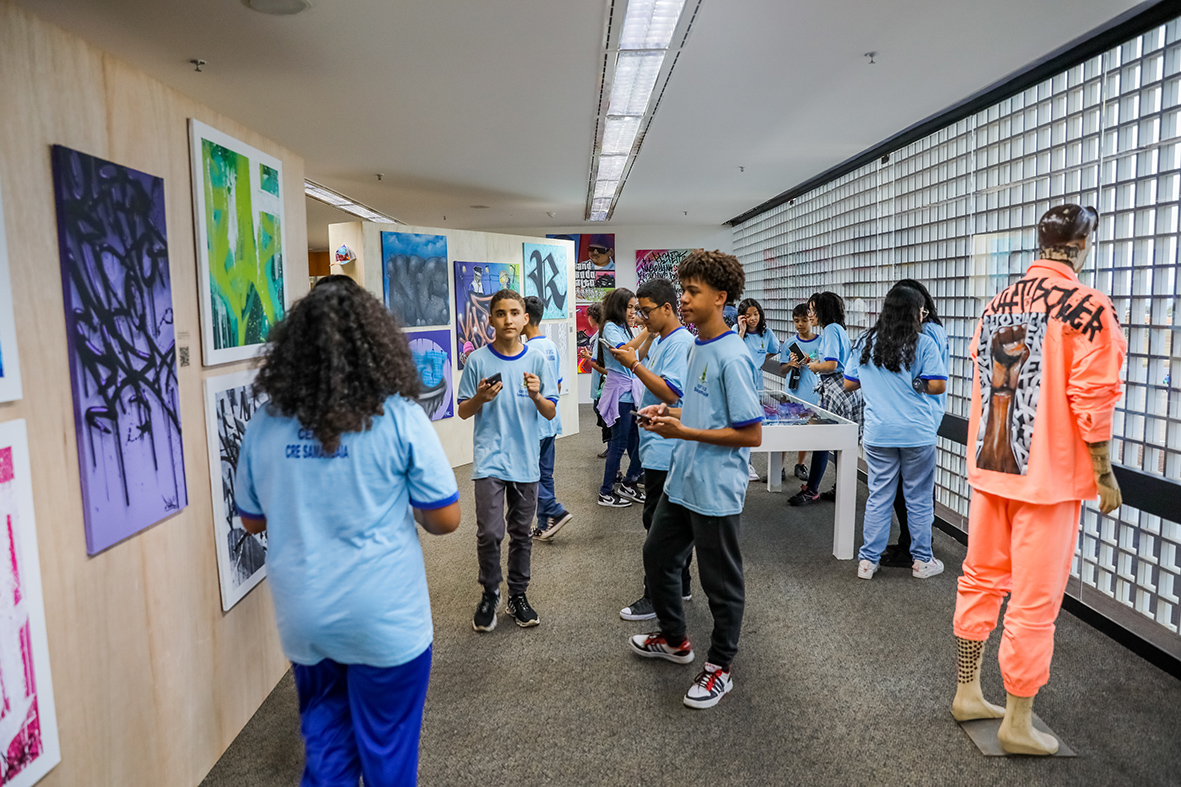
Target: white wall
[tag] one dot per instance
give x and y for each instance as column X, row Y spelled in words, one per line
column 629, row 239
column 364, row 238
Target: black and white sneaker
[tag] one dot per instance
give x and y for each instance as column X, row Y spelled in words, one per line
column 655, row 646
column 485, row 617
column 613, row 501
column 538, row 533
column 802, row 472
column 631, row 492
column 710, row 685
column 518, row 607
column 638, row 610
column 553, row 525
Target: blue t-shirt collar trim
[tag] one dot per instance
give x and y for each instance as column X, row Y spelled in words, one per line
column 659, row 339
column 492, row 350
column 722, row 335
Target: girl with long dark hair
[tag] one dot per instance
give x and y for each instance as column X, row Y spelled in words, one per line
column 337, row 467
column 617, row 403
column 760, row 342
column 901, row 370
column 898, row 555
column 828, row 310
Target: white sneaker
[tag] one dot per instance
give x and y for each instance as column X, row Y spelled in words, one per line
column 751, row 474
column 866, row 570
column 925, row 569
column 710, row 685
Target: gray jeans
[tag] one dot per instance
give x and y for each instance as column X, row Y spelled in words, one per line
column 491, row 524
column 675, row 529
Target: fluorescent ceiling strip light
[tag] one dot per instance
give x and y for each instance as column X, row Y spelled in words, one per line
column 605, row 188
column 649, row 24
column 619, row 134
column 611, row 167
column 339, row 201
column 635, row 78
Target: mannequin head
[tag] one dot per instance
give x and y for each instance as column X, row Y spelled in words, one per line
column 1064, row 234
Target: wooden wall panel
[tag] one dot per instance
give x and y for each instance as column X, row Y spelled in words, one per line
column 152, row 680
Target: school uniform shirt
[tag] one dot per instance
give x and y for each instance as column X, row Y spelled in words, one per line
column 937, row 332
column 596, row 379
column 896, row 415
column 806, row 390
column 835, row 346
column 545, row 346
column 719, row 393
column 668, row 359
column 618, row 337
column 759, row 344
column 343, row 559
column 1048, row 353
column 508, row 429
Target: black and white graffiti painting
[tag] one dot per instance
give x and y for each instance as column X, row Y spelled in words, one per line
column 241, row 557
column 547, row 277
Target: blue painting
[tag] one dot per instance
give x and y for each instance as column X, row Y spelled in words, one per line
column 414, row 278
column 432, row 356
column 546, row 277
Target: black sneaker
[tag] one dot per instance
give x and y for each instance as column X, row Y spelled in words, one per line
column 803, row 498
column 538, row 533
column 895, row 556
column 613, row 501
column 830, row 495
column 631, row 492
column 638, row 610
column 802, row 472
column 485, row 617
column 518, row 607
column 553, row 525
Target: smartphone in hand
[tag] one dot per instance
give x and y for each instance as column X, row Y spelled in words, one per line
column 493, row 380
column 642, row 419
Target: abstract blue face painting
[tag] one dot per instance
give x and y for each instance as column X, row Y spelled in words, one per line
column 432, row 357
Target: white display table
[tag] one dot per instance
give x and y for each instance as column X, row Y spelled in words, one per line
column 793, row 425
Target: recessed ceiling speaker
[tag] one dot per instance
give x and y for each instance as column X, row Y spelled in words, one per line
column 278, row 7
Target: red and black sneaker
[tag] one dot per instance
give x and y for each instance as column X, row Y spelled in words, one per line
column 804, row 498
column 655, row 646
column 710, row 685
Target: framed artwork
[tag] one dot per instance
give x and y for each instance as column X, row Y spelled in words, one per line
column 432, row 357
column 594, row 277
column 663, row 264
column 241, row 557
column 29, row 745
column 546, row 277
column 239, row 216
column 10, row 368
column 121, row 345
column 475, row 284
column 414, row 278
column 582, row 337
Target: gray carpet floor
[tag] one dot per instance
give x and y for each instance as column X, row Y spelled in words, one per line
column 837, row 681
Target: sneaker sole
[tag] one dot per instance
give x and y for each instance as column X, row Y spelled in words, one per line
column 552, row 530
column 485, row 630
column 706, row 703
column 528, row 624
column 686, row 659
column 624, row 614
column 616, row 504
column 926, row 576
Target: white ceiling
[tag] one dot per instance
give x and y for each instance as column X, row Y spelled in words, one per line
column 492, row 102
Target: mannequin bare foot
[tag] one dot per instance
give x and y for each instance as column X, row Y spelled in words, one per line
column 969, row 702
column 1017, row 734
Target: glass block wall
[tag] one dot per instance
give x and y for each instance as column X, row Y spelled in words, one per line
column 958, row 211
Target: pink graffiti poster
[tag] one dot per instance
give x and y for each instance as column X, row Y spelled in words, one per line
column 28, row 725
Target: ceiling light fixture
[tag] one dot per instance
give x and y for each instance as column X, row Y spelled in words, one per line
column 339, row 201
column 636, row 61
column 278, row 7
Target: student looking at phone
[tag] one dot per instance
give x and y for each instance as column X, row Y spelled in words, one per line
column 509, row 413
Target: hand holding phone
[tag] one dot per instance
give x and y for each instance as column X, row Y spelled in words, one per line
column 643, row 420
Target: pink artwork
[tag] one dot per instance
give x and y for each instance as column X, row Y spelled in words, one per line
column 28, row 726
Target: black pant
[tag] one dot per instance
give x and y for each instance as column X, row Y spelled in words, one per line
column 653, row 490
column 675, row 530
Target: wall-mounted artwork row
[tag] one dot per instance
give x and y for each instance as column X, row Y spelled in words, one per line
column 241, row 557
column 414, row 277
column 239, row 215
column 546, row 277
column 122, row 348
column 475, row 284
column 594, row 277
column 10, row 370
column 432, row 357
column 28, row 721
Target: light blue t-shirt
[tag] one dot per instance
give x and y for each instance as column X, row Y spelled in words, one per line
column 545, row 346
column 806, row 389
column 719, row 393
column 835, row 346
column 937, row 333
column 596, row 378
column 618, row 337
column 508, row 429
column 343, row 557
column 759, row 345
column 896, row 415
column 668, row 358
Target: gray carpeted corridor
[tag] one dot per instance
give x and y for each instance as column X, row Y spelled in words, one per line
column 838, row 680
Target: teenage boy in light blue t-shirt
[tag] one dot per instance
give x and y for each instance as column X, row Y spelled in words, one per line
column 664, row 357
column 510, row 391
column 552, row 516
column 720, row 422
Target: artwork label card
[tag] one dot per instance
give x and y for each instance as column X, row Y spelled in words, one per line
column 10, row 368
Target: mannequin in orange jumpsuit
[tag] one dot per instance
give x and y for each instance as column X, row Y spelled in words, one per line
column 1048, row 353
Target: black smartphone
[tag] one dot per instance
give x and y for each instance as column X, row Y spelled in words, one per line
column 643, row 419
column 493, row 380
column 795, row 348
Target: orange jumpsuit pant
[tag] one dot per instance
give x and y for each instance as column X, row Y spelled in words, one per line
column 1024, row 549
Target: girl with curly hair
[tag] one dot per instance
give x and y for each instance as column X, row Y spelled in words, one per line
column 336, row 468
column 902, row 372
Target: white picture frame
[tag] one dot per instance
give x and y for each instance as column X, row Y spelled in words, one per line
column 239, row 569
column 214, row 312
column 10, row 368
column 26, row 616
